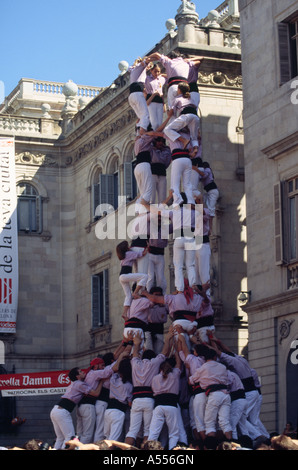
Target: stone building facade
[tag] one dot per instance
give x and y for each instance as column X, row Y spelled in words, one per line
column 269, row 64
column 74, row 150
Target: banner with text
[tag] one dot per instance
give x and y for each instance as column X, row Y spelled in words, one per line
column 35, row 383
column 9, row 271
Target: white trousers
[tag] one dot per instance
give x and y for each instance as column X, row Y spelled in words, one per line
column 183, row 252
column 154, row 344
column 130, row 330
column 156, row 272
column 181, row 168
column 100, row 408
column 238, row 417
column 171, row 95
column 198, row 406
column 202, row 263
column 143, row 262
column 192, row 121
column 86, row 419
column 143, row 177
column 169, row 415
column 63, row 426
column 211, row 198
column 155, row 114
column 141, row 413
column 113, row 423
column 138, row 103
column 159, row 189
column 218, row 406
column 127, row 279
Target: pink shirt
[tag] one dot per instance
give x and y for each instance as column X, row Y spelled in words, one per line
column 210, row 373
column 76, row 390
column 158, row 314
column 139, row 308
column 155, row 85
column 180, row 103
column 138, row 73
column 119, row 390
column 94, row 376
column 130, row 257
column 235, row 382
column 192, row 361
column 170, row 384
column 143, row 370
column 176, row 67
column 178, row 302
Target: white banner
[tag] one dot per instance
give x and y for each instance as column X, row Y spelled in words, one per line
column 9, row 271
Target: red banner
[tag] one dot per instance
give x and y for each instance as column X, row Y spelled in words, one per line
column 30, row 384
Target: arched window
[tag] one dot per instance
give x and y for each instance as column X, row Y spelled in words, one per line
column 29, row 208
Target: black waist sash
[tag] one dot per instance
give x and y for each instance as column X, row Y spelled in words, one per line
column 215, row 388
column 104, row 395
column 180, row 153
column 176, row 80
column 87, row 400
column 136, row 86
column 140, row 242
column 155, row 328
column 184, row 315
column 118, row 405
column 135, row 323
column 166, row 399
column 189, row 110
column 158, row 169
column 67, row 404
column 143, row 157
column 249, row 384
column 205, row 321
column 193, row 87
column 196, row 389
column 156, row 99
column 142, row 392
column 155, row 250
column 210, row 186
column 237, row 394
column 125, row 270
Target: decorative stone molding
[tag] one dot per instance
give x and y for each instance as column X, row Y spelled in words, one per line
column 285, row 329
column 100, row 337
column 106, row 133
column 40, row 159
column 219, row 79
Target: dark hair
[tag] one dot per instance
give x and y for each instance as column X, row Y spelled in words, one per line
column 155, row 289
column 108, row 358
column 148, row 354
column 124, row 370
column 209, row 354
column 174, row 55
column 121, row 249
column 165, row 368
column 33, row 444
column 73, row 374
column 200, row 349
column 152, row 445
column 185, row 89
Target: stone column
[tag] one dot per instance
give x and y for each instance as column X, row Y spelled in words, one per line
column 186, row 19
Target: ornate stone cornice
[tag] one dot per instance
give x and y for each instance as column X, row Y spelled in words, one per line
column 220, row 79
column 40, row 159
column 107, row 132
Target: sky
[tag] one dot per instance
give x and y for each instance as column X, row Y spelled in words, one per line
column 80, row 40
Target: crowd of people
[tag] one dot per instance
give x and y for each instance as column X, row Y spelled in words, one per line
column 184, row 385
column 180, row 388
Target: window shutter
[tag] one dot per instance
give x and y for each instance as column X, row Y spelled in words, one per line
column 128, row 181
column 95, row 301
column 278, row 220
column 106, row 295
column 107, row 189
column 284, row 53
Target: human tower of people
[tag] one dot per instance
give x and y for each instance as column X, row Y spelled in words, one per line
column 186, row 384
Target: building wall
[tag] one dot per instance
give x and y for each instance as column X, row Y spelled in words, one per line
column 270, row 125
